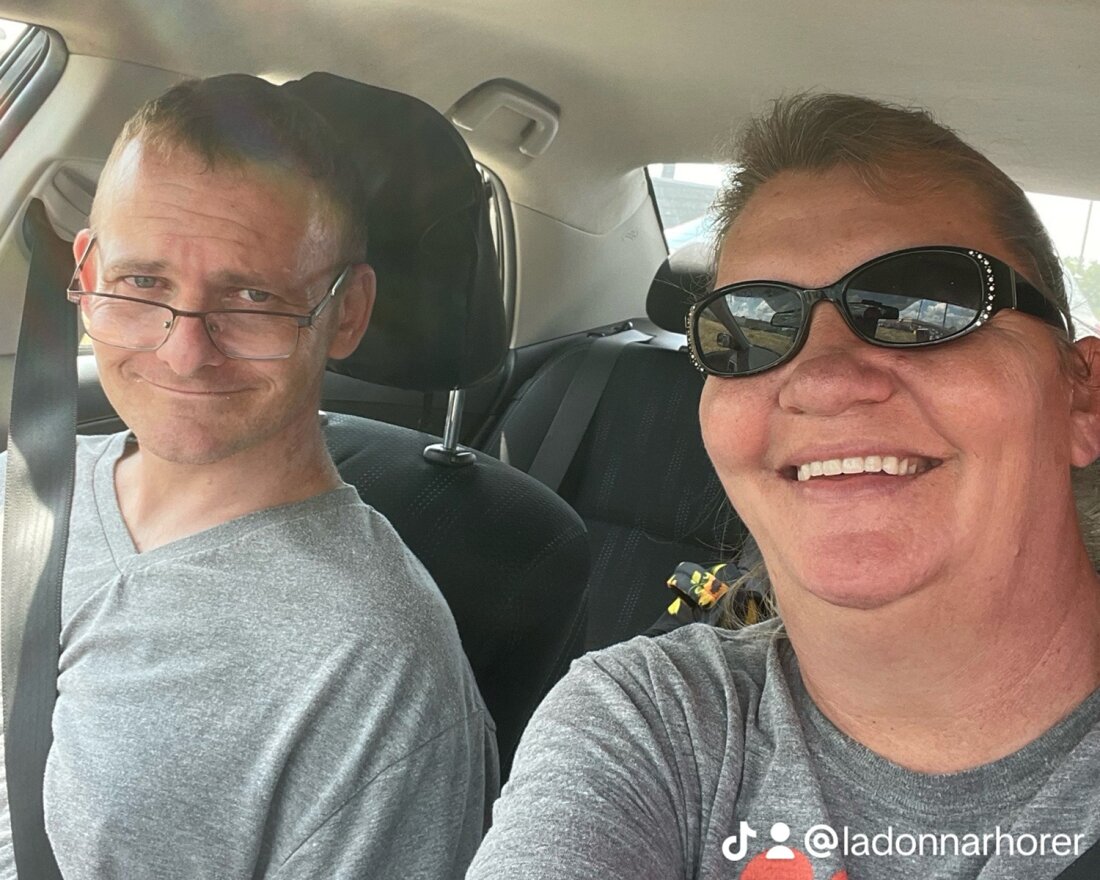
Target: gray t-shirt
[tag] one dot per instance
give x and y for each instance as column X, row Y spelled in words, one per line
column 280, row 696
column 661, row 758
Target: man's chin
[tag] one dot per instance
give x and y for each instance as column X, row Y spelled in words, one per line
column 190, row 447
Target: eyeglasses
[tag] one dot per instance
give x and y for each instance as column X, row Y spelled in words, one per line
column 916, row 297
column 141, row 325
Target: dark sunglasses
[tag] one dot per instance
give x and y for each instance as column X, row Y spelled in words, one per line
column 915, row 297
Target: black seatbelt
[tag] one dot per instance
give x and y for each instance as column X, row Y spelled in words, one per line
column 38, row 496
column 563, row 437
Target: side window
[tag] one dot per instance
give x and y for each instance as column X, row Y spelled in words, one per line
column 31, row 61
column 1074, row 225
column 10, row 32
column 684, row 192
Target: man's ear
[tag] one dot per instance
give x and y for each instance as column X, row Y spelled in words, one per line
column 1085, row 415
column 80, row 247
column 356, row 303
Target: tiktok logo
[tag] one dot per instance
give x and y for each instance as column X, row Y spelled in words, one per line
column 741, row 840
column 775, row 862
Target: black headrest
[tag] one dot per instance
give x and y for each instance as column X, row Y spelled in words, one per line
column 438, row 321
column 682, row 279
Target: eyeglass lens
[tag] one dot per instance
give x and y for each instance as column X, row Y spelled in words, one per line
column 903, row 300
column 143, row 326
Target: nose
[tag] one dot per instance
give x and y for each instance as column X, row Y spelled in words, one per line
column 188, row 348
column 835, row 369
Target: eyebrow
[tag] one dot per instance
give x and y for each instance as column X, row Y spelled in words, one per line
column 157, row 267
column 236, row 279
column 135, row 267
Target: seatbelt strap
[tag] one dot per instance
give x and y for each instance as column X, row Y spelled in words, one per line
column 574, row 415
column 37, row 499
column 1085, row 867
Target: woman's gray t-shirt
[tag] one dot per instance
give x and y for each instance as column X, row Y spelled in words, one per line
column 661, row 758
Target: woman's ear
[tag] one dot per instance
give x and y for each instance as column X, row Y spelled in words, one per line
column 1085, row 415
column 356, row 303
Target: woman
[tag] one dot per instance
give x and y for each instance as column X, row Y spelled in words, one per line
column 927, row 703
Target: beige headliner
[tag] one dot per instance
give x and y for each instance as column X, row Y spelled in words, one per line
column 640, row 81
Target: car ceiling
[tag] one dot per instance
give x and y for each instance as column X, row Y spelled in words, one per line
column 641, row 81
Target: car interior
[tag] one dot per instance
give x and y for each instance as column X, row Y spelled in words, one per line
column 523, row 408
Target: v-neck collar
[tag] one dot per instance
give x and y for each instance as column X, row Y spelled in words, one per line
column 121, row 544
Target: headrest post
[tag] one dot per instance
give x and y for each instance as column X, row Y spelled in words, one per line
column 448, row 452
column 454, row 418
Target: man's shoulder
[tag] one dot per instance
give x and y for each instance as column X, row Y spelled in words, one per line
column 400, row 614
column 361, row 578
column 97, row 443
column 350, row 545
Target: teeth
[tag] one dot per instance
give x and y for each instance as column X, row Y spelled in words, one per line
column 871, row 464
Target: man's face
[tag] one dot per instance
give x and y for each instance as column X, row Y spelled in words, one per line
column 177, row 233
column 989, row 419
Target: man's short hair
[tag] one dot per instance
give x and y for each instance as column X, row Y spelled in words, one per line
column 243, row 120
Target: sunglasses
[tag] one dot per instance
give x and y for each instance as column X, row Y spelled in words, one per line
column 915, row 297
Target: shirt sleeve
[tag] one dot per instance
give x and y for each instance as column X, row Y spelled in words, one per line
column 421, row 817
column 595, row 789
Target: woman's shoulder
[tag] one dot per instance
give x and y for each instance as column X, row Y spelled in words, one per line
column 699, row 647
column 706, row 666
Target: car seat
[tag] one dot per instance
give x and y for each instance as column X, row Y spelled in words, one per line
column 640, row 477
column 510, row 557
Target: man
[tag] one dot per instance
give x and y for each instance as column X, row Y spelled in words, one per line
column 243, row 691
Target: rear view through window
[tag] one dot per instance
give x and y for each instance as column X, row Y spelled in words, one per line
column 685, row 190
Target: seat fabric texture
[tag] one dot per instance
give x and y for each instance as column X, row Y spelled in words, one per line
column 641, row 479
column 438, row 319
column 510, row 558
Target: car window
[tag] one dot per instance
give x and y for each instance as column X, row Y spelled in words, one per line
column 10, row 32
column 31, row 61
column 684, row 192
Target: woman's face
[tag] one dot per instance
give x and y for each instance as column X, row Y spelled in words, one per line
column 991, row 420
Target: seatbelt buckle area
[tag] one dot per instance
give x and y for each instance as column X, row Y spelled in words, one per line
column 698, row 586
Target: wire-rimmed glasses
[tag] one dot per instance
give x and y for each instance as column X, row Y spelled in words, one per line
column 142, row 325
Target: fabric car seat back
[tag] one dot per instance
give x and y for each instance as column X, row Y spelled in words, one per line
column 510, row 557
column 640, row 479
column 438, row 320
